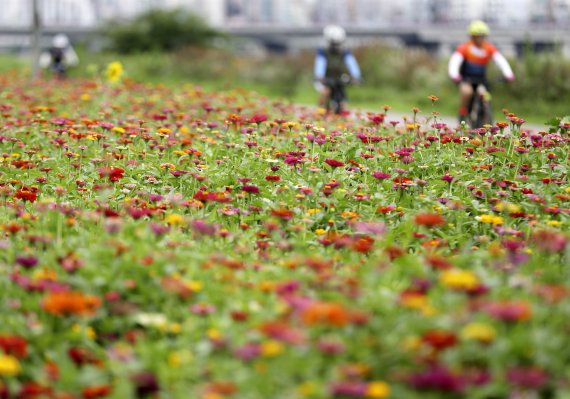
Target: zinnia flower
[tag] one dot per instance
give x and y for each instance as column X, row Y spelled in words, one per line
column 114, row 71
column 459, row 279
column 70, row 303
column 9, row 366
column 429, row 219
column 481, row 332
column 334, row 163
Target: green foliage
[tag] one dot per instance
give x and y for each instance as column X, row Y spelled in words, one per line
column 542, row 81
column 160, row 30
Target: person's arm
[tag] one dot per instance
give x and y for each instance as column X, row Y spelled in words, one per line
column 320, row 68
column 454, row 66
column 71, row 58
column 503, row 65
column 45, row 60
column 352, row 66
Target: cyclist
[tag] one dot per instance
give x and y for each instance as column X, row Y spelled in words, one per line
column 332, row 62
column 468, row 64
column 59, row 56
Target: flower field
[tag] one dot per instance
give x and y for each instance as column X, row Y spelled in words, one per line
column 176, row 243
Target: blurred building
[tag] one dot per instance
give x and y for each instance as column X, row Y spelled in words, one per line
column 300, row 13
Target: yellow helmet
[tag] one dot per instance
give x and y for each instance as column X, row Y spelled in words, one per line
column 478, row 28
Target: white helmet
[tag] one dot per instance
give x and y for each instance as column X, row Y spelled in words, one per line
column 60, row 41
column 334, row 34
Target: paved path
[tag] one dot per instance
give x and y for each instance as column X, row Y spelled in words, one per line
column 450, row 121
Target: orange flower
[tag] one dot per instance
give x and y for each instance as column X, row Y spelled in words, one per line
column 333, row 314
column 96, row 391
column 69, row 303
column 429, row 219
column 363, row 244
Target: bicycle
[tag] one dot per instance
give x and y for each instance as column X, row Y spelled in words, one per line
column 479, row 111
column 337, row 95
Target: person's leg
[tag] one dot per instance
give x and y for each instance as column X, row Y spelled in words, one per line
column 465, row 94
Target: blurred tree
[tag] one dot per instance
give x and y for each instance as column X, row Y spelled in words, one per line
column 160, row 30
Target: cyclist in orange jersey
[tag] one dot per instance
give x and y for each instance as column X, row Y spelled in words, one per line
column 468, row 64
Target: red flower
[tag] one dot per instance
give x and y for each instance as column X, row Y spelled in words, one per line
column 81, row 356
column 334, row 163
column 14, row 345
column 429, row 219
column 31, row 390
column 439, row 339
column 204, row 196
column 97, row 391
column 272, row 178
column 113, row 173
column 283, row 214
column 257, row 118
column 250, row 189
column 26, row 194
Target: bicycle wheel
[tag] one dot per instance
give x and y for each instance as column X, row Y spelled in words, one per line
column 484, row 115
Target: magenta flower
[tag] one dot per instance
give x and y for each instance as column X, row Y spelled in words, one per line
column 250, row 189
column 334, row 163
column 349, row 388
column 27, row 261
column 527, row 377
column 381, row 175
column 437, row 378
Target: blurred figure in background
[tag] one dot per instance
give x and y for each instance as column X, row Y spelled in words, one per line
column 59, row 57
column 468, row 64
column 335, row 66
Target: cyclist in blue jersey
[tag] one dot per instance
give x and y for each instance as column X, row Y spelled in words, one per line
column 332, row 63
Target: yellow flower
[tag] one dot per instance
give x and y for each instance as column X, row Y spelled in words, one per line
column 85, row 97
column 214, row 334
column 481, row 332
column 175, row 328
column 554, row 223
column 163, row 131
column 307, row 388
column 9, row 366
column 320, row 232
column 414, row 301
column 195, row 286
column 45, row 274
column 378, row 390
column 490, row 219
column 174, row 219
column 513, row 208
column 412, row 343
column 271, row 348
column 114, row 71
column 88, row 331
column 118, row 129
column 459, row 279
